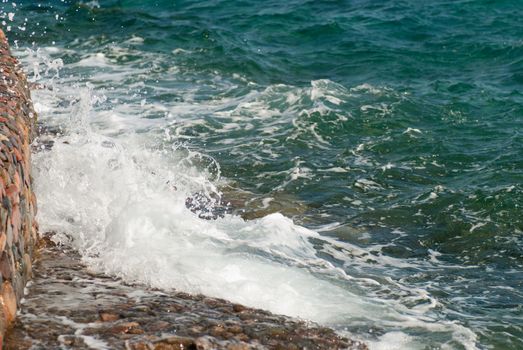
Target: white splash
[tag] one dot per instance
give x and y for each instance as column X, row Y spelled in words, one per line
column 117, row 183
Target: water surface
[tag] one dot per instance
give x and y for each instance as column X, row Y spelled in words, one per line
column 377, row 146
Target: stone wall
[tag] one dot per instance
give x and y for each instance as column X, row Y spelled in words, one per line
column 18, row 228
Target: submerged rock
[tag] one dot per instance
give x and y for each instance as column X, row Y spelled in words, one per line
column 206, row 206
column 68, row 306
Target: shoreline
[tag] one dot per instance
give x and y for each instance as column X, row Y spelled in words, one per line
column 68, row 305
column 61, row 308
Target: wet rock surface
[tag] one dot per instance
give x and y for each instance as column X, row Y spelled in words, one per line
column 18, row 227
column 70, row 307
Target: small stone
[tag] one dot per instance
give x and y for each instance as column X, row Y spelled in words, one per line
column 28, row 267
column 203, row 343
column 124, row 327
column 8, row 302
column 238, row 308
column 242, row 337
column 245, row 316
column 175, row 343
column 3, row 241
column 108, row 317
column 5, row 266
column 158, row 326
column 9, row 232
column 140, row 345
column 238, row 347
column 47, row 242
column 135, row 330
column 235, row 329
column 67, row 340
column 217, row 331
column 277, row 332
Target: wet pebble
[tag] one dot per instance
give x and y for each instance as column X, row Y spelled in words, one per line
column 108, row 317
column 59, row 312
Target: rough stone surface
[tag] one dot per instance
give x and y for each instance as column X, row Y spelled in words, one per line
column 18, row 228
column 70, row 307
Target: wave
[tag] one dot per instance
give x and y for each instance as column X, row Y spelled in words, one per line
column 115, row 184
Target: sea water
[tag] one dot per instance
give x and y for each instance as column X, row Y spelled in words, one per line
column 369, row 155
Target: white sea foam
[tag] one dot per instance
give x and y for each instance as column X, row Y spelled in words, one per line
column 117, row 183
column 116, row 202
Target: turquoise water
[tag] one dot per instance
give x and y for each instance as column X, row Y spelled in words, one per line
column 395, row 127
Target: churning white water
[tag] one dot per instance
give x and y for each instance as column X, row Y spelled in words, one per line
column 116, row 182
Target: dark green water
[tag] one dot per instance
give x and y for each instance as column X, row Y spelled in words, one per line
column 397, row 126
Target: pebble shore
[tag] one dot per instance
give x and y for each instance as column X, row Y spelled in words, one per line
column 67, row 306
